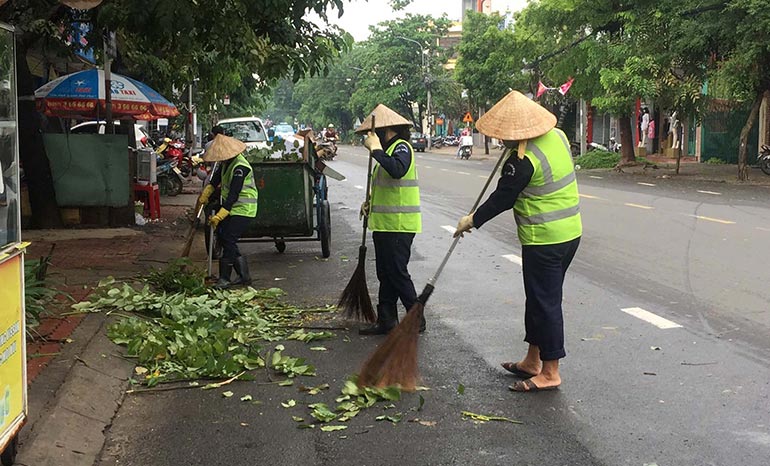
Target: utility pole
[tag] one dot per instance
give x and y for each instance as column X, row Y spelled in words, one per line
column 109, row 52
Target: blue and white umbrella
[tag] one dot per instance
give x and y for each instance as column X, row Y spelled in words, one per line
column 82, row 95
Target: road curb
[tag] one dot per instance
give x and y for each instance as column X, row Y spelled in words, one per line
column 73, row 403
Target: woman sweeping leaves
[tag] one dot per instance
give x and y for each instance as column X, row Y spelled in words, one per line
column 539, row 184
column 394, row 213
column 237, row 205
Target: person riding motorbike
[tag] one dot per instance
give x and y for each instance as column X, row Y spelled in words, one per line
column 466, row 143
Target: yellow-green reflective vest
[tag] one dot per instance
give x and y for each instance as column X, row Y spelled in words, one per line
column 395, row 203
column 547, row 210
column 246, row 205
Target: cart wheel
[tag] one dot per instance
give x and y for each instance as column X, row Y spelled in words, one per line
column 8, row 456
column 280, row 246
column 325, row 229
column 217, row 245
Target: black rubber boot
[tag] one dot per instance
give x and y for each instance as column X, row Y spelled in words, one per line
column 225, row 270
column 387, row 319
column 241, row 266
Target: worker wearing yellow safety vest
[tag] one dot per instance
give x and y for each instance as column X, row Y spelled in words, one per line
column 538, row 183
column 237, row 205
column 394, row 214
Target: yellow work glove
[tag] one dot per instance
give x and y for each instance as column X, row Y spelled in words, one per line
column 203, row 199
column 372, row 142
column 464, row 225
column 218, row 217
column 364, row 212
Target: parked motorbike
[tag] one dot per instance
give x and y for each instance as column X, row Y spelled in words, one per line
column 170, row 179
column 764, row 159
column 452, row 140
column 465, row 152
column 437, row 142
column 176, row 149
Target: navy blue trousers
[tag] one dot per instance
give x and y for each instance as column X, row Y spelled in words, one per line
column 229, row 232
column 392, row 252
column 544, row 268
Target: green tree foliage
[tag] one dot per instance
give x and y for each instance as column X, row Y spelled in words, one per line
column 227, row 44
column 487, row 59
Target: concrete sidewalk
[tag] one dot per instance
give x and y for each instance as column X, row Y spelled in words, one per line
column 76, row 376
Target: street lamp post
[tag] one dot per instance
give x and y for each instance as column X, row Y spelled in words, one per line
column 426, row 81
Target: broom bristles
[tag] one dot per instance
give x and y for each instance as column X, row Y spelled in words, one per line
column 355, row 299
column 395, row 361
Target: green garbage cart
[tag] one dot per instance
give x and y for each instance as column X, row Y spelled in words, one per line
column 293, row 202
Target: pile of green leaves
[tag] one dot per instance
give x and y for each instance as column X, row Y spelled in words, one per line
column 353, row 400
column 215, row 334
column 269, row 153
column 598, row 159
column 180, row 275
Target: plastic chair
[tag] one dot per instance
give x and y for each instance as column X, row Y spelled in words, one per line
column 152, row 194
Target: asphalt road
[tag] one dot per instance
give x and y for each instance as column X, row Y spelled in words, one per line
column 666, row 325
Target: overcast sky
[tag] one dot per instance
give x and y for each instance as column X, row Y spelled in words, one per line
column 360, row 14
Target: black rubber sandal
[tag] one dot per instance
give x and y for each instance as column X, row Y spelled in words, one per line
column 513, row 368
column 529, row 386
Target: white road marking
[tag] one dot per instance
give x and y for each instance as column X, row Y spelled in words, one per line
column 420, row 156
column 646, row 207
column 588, row 196
column 710, row 192
column 445, row 170
column 596, row 177
column 763, row 229
column 427, row 166
column 645, row 184
column 715, row 220
column 513, row 258
column 463, row 173
column 358, row 186
column 483, row 176
column 449, row 228
column 649, row 317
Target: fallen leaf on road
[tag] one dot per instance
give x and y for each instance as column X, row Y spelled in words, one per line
column 297, row 419
column 318, row 348
column 461, row 389
column 246, row 398
column 140, row 370
column 227, row 394
column 289, row 404
column 649, row 373
column 655, row 348
column 484, row 418
column 332, row 428
column 244, row 424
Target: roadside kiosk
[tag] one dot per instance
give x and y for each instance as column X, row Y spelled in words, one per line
column 13, row 368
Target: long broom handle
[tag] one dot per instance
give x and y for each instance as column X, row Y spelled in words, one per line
column 432, row 281
column 368, row 191
column 211, row 229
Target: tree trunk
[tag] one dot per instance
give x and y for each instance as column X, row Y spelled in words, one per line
column 486, row 145
column 37, row 171
column 743, row 166
column 626, row 140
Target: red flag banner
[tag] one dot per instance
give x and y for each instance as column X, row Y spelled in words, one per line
column 565, row 87
column 541, row 89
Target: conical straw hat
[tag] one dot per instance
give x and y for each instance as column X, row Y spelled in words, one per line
column 384, row 117
column 516, row 118
column 223, row 148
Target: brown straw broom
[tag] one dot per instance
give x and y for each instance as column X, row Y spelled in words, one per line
column 394, row 362
column 355, row 299
column 196, row 221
